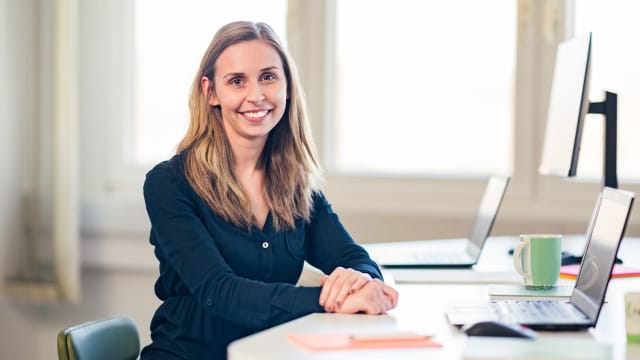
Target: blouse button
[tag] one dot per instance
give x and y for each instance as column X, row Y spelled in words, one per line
column 209, row 302
column 265, row 245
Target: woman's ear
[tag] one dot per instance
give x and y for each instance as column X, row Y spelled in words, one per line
column 205, row 86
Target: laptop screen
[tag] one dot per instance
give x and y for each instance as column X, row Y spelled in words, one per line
column 604, row 234
column 487, row 212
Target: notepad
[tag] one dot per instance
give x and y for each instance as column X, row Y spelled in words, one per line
column 523, row 292
column 344, row 341
column 571, row 271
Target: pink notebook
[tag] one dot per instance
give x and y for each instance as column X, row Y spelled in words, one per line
column 619, row 270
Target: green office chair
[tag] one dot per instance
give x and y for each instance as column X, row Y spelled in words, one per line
column 114, row 338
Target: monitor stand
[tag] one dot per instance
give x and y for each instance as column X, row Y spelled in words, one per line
column 609, row 109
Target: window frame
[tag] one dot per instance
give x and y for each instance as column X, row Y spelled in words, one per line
column 110, row 189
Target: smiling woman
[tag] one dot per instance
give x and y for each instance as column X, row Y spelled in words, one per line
column 252, row 104
column 239, row 209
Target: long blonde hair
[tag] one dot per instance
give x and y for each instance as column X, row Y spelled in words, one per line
column 289, row 160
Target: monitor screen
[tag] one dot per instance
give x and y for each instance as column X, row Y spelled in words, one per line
column 568, row 106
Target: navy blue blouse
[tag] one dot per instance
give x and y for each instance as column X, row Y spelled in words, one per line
column 219, row 282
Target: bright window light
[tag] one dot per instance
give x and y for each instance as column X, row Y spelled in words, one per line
column 424, row 87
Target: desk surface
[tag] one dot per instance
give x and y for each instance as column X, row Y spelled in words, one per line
column 421, row 308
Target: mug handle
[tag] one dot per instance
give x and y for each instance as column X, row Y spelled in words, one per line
column 517, row 260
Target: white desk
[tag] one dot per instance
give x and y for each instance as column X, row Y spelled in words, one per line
column 421, row 308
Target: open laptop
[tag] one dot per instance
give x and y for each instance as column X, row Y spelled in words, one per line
column 604, row 235
column 446, row 253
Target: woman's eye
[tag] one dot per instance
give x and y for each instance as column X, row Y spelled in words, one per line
column 236, row 81
column 269, row 77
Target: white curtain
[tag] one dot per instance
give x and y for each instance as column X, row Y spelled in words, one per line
column 65, row 150
column 45, row 263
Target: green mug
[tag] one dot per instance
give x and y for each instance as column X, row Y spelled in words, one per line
column 632, row 313
column 537, row 258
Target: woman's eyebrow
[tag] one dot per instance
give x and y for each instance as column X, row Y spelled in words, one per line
column 270, row 68
column 232, row 74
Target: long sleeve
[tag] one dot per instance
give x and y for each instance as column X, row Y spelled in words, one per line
column 183, row 232
column 329, row 245
column 219, row 282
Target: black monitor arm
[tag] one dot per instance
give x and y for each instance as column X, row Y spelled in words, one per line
column 609, row 108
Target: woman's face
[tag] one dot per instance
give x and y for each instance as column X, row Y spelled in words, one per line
column 251, row 90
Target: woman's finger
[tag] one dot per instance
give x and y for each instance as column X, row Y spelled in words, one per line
column 392, row 294
column 326, row 294
column 326, row 288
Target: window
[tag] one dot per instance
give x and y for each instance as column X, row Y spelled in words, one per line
column 170, row 38
column 423, row 87
column 614, row 68
column 349, row 98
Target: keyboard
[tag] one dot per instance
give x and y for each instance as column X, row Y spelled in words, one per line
column 529, row 312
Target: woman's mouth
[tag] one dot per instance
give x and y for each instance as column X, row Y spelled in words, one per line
column 256, row 116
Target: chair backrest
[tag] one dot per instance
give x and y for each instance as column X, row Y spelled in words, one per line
column 114, row 338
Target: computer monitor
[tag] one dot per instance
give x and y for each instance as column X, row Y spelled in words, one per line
column 568, row 106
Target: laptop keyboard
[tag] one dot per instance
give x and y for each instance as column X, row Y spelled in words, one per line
column 531, row 312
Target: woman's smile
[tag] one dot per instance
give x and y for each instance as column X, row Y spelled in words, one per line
column 256, row 115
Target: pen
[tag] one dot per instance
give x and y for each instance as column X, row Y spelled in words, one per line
column 388, row 336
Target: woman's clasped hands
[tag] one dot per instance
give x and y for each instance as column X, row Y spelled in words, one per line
column 349, row 291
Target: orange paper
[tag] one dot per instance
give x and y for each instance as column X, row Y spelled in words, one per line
column 332, row 341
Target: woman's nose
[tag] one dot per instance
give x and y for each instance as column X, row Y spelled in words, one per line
column 256, row 95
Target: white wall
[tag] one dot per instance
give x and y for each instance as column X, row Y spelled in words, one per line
column 15, row 110
column 15, row 107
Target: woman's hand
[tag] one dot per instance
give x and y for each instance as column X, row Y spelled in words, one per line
column 340, row 284
column 374, row 298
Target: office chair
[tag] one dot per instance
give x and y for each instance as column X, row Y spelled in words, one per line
column 114, row 338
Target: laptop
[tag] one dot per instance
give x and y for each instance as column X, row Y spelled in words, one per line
column 446, row 253
column 604, row 234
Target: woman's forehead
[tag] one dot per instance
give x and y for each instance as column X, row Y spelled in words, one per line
column 248, row 56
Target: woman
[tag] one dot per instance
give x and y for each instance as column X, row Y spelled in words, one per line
column 239, row 208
